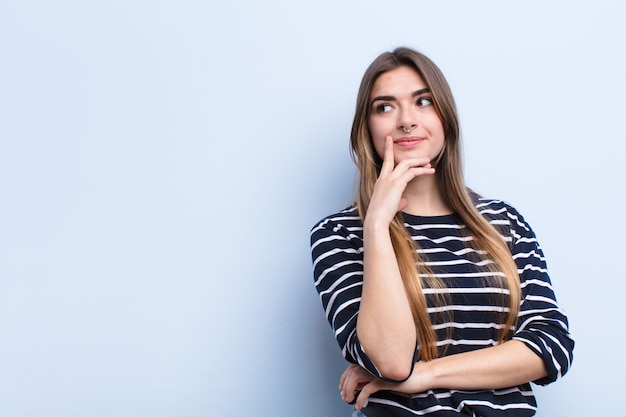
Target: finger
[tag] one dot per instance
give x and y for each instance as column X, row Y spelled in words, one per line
column 412, row 173
column 356, row 378
column 414, row 163
column 366, row 392
column 388, row 161
column 349, row 387
column 345, row 374
column 347, row 390
column 416, row 170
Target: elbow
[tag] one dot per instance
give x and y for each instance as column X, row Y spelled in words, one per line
column 391, row 358
column 396, row 372
column 392, row 366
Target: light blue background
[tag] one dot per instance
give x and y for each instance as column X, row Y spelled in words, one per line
column 161, row 164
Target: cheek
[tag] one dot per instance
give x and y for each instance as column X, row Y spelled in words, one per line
column 435, row 124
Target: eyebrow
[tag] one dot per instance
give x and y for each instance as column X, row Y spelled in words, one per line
column 392, row 98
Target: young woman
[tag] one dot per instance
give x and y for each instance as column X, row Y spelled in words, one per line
column 439, row 298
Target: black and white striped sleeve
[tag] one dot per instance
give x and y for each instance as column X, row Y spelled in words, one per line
column 542, row 324
column 337, row 254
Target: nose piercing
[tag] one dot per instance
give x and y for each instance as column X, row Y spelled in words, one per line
column 406, row 130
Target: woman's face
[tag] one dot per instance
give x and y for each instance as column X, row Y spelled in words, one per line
column 401, row 106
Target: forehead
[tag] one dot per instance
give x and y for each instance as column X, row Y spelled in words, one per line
column 397, row 82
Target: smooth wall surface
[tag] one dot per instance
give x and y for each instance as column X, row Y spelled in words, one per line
column 161, row 164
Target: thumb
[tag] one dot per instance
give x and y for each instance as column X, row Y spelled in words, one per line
column 402, row 203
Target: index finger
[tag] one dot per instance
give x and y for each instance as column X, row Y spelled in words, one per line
column 345, row 375
column 388, row 160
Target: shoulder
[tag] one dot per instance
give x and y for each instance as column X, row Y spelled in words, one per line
column 493, row 208
column 347, row 218
column 340, row 230
column 503, row 215
column 344, row 224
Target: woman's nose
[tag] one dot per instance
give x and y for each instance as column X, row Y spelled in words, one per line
column 407, row 121
column 407, row 126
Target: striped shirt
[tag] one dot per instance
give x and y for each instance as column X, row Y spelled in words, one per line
column 473, row 317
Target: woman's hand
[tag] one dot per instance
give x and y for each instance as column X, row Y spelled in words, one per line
column 387, row 198
column 355, row 378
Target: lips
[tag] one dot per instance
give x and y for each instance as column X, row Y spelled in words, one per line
column 408, row 141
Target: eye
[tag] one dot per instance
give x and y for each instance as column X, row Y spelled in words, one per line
column 383, row 108
column 424, row 101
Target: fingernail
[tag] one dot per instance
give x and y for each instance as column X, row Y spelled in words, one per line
column 341, row 393
column 365, row 403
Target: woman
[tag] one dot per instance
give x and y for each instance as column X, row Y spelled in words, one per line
column 439, row 298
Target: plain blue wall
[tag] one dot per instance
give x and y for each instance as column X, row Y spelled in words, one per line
column 161, row 163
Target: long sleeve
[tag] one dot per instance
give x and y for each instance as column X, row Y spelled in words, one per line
column 542, row 325
column 337, row 254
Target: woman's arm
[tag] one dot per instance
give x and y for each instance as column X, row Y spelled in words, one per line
column 502, row 366
column 506, row 365
column 385, row 325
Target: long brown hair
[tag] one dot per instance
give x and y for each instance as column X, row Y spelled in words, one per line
column 449, row 174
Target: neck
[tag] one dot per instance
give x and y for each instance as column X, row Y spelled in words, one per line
column 424, row 198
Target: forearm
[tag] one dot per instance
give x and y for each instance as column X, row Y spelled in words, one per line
column 385, row 326
column 507, row 365
column 502, row 366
